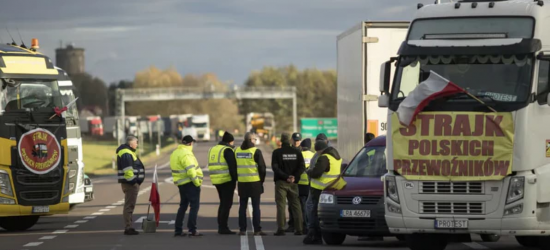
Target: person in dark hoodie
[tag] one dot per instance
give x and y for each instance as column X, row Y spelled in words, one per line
column 222, row 167
column 251, row 173
column 325, row 171
column 288, row 165
column 131, row 173
column 303, row 184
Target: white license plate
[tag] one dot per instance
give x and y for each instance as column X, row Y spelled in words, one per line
column 451, row 224
column 41, row 209
column 355, row 213
column 88, row 189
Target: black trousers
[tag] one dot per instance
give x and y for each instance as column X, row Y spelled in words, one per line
column 225, row 193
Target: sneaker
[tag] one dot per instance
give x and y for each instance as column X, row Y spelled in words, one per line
column 195, row 234
column 180, row 234
column 130, row 231
column 225, row 231
column 242, row 233
column 260, row 233
column 289, row 229
column 279, row 233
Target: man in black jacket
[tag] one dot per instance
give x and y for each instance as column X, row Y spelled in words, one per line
column 288, row 165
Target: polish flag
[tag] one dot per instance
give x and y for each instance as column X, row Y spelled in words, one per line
column 154, row 197
column 432, row 88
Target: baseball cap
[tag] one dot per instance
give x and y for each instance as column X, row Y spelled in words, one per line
column 187, row 139
column 297, row 137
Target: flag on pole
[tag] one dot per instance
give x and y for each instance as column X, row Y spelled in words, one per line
column 432, row 88
column 154, row 197
column 59, row 111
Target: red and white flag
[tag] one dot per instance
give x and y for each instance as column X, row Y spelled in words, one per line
column 154, row 197
column 432, row 88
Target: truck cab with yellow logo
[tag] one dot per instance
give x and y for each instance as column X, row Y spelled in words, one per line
column 33, row 139
column 474, row 161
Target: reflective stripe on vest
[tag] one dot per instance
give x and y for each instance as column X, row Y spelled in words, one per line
column 304, row 180
column 325, row 180
column 247, row 169
column 180, row 169
column 217, row 165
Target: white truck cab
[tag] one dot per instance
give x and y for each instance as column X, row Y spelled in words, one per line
column 461, row 168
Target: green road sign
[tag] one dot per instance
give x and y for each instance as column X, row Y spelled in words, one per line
column 311, row 127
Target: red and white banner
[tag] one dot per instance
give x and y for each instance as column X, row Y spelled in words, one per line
column 432, row 88
column 154, row 197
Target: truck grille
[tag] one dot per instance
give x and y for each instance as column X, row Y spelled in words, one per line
column 427, row 187
column 365, row 200
column 452, row 207
column 39, row 195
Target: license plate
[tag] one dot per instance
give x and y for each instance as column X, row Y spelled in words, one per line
column 88, row 189
column 355, row 213
column 451, row 224
column 41, row 209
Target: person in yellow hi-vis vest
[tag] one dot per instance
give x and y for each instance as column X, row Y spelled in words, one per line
column 251, row 173
column 325, row 171
column 187, row 175
column 222, row 167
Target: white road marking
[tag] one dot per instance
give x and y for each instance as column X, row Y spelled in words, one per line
column 71, row 226
column 259, row 243
column 90, row 217
column 244, row 242
column 97, row 213
column 117, row 204
column 80, row 221
column 33, row 244
column 60, row 231
column 104, row 210
column 51, row 237
column 110, row 207
column 475, row 245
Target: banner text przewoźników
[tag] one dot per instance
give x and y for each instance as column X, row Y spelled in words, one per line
column 456, row 146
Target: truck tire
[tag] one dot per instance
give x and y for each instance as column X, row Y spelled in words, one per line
column 490, row 237
column 334, row 238
column 528, row 241
column 426, row 242
column 18, row 223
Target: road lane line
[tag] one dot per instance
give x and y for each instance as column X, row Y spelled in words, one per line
column 259, row 243
column 97, row 214
column 104, row 210
column 117, row 204
column 33, row 244
column 475, row 245
column 60, row 231
column 71, row 226
column 50, row 237
column 244, row 242
column 80, row 221
column 90, row 217
column 110, row 207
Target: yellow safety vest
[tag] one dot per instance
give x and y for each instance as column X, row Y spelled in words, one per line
column 325, row 180
column 247, row 169
column 307, row 159
column 217, row 166
column 127, row 174
column 185, row 167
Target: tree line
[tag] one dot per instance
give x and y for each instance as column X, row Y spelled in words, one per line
column 316, row 95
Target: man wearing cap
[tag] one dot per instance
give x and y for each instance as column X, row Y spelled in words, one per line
column 303, row 184
column 288, row 165
column 295, row 143
column 296, row 140
column 187, row 175
column 131, row 173
column 222, row 167
column 325, row 171
column 251, row 173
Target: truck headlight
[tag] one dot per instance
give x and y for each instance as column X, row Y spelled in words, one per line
column 391, row 188
column 5, row 184
column 6, row 201
column 326, row 199
column 516, row 188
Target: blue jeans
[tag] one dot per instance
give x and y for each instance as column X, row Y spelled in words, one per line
column 312, row 203
column 243, row 204
column 190, row 195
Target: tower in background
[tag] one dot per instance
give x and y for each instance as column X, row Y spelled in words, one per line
column 70, row 59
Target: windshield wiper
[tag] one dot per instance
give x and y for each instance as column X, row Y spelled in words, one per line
column 477, row 98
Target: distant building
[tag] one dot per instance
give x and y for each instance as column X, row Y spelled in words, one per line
column 70, row 59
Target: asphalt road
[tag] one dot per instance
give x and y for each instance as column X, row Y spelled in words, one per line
column 98, row 225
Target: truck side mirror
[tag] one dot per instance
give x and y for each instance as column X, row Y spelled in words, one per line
column 385, row 72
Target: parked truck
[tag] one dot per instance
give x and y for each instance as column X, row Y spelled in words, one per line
column 34, row 174
column 478, row 160
column 91, row 125
column 201, row 123
column 361, row 50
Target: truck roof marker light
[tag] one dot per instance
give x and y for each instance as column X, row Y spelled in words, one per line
column 457, row 5
column 418, row 6
column 491, row 4
column 474, row 5
column 34, row 44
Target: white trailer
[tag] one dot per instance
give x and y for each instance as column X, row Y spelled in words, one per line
column 361, row 51
column 460, row 167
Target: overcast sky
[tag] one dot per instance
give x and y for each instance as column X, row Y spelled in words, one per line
column 227, row 37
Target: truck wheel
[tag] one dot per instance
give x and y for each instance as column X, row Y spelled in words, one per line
column 18, row 223
column 490, row 237
column 528, row 241
column 334, row 238
column 426, row 242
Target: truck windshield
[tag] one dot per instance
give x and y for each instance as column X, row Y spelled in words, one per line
column 502, row 78
column 369, row 162
column 68, row 96
column 200, row 125
column 34, row 94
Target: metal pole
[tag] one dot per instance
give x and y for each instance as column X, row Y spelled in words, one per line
column 158, row 129
column 123, row 117
column 295, row 111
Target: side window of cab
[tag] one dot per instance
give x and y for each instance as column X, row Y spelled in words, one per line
column 543, row 87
